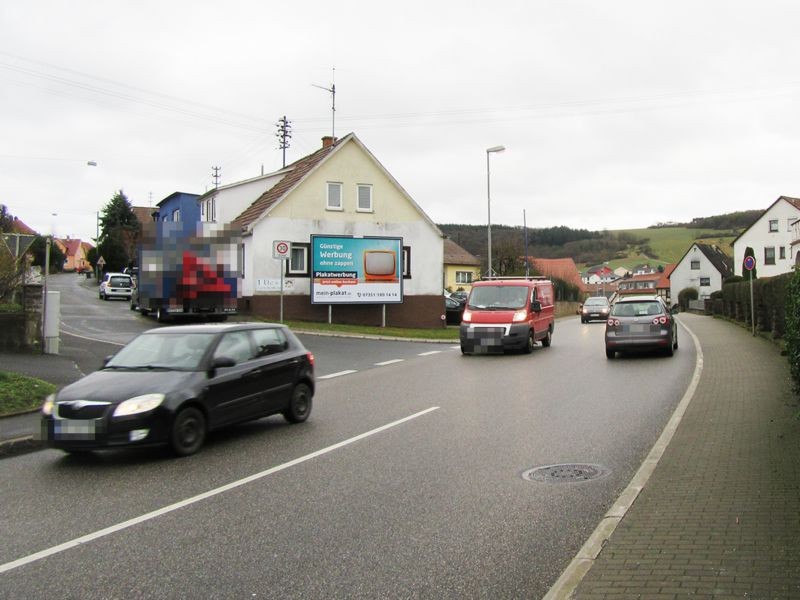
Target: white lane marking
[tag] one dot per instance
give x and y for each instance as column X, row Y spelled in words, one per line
column 83, row 337
column 389, row 362
column 455, row 347
column 339, row 374
column 194, row 499
column 429, row 353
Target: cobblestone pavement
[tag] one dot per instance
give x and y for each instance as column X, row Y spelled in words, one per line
column 720, row 515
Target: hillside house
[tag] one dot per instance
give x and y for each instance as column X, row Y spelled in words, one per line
column 179, row 206
column 703, row 267
column 656, row 283
column 770, row 237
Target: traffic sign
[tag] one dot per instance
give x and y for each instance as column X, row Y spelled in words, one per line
column 749, row 263
column 281, row 249
column 101, row 262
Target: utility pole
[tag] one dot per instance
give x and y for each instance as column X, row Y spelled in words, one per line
column 215, row 176
column 284, row 135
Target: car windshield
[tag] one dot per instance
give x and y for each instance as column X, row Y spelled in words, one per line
column 642, row 308
column 178, row 351
column 596, row 302
column 498, row 297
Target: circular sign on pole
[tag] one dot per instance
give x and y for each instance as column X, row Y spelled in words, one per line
column 281, row 249
column 749, row 263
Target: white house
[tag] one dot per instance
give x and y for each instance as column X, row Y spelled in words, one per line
column 339, row 190
column 770, row 237
column 703, row 267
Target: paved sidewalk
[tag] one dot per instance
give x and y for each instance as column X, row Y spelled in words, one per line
column 720, row 514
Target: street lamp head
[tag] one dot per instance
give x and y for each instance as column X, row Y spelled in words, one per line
column 496, row 149
column 92, row 163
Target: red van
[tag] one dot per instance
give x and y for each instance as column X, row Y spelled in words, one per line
column 512, row 313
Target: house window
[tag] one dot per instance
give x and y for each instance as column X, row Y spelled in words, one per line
column 463, row 276
column 773, row 225
column 695, row 265
column 406, row 262
column 334, row 196
column 705, row 281
column 782, row 253
column 364, row 198
column 769, row 256
column 211, row 209
column 241, row 260
column 297, row 265
column 176, row 214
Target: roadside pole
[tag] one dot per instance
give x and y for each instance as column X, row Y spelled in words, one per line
column 750, row 264
column 281, row 250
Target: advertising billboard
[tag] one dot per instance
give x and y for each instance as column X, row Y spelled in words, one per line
column 348, row 270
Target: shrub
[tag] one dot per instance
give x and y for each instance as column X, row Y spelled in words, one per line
column 686, row 294
column 792, row 334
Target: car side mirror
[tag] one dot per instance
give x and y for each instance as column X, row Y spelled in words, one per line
column 107, row 359
column 222, row 362
column 536, row 306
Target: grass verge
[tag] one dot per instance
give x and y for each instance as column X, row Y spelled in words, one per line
column 19, row 393
column 449, row 333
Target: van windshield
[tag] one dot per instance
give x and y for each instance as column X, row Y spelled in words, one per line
column 501, row 297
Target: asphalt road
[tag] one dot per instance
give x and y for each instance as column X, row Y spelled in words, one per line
column 405, row 483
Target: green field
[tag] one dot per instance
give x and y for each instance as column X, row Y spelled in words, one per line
column 669, row 244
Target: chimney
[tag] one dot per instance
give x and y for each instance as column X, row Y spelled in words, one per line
column 328, row 140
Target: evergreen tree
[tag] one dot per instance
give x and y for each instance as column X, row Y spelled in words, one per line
column 119, row 233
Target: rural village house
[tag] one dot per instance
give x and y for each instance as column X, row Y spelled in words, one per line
column 460, row 267
column 339, row 190
column 703, row 267
column 770, row 237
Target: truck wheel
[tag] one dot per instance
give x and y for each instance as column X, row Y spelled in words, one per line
column 530, row 343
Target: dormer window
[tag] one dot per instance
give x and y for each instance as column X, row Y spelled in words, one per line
column 334, row 196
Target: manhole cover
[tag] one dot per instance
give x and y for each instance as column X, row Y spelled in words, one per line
column 565, row 473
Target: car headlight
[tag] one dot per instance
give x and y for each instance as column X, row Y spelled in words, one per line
column 139, row 404
column 47, row 407
column 520, row 316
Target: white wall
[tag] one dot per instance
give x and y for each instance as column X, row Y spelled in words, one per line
column 684, row 276
column 233, row 200
column 427, row 253
column 759, row 236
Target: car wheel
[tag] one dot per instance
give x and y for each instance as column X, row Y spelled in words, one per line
column 299, row 405
column 547, row 339
column 610, row 353
column 675, row 341
column 530, row 343
column 161, row 315
column 669, row 350
column 583, row 320
column 188, row 431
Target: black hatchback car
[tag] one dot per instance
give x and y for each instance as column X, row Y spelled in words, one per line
column 172, row 385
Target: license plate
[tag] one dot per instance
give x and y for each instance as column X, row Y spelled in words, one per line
column 74, row 429
column 639, row 328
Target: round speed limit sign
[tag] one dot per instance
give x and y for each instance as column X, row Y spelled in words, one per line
column 281, row 249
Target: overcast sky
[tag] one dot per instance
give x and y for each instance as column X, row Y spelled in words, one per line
column 614, row 114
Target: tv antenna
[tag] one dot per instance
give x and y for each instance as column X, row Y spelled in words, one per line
column 332, row 91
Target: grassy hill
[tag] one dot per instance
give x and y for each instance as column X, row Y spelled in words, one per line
column 668, row 244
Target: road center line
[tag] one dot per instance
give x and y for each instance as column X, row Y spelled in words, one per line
column 429, row 353
column 194, row 499
column 389, row 362
column 338, row 374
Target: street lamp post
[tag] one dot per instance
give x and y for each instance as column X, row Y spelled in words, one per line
column 489, row 203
